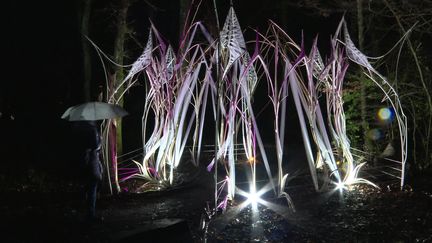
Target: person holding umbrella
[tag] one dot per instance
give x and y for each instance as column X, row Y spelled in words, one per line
column 88, row 140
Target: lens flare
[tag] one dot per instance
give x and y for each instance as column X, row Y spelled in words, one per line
column 253, row 197
column 374, row 134
column 385, row 114
column 341, row 186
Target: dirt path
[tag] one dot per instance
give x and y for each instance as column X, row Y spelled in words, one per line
column 363, row 215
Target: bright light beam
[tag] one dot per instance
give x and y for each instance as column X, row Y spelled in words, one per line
column 341, row 186
column 253, row 197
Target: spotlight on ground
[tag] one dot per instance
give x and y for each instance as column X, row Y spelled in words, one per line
column 253, row 197
column 340, row 186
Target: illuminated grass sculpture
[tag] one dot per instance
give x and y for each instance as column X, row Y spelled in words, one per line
column 174, row 96
column 181, row 85
column 236, row 88
column 308, row 77
column 173, row 100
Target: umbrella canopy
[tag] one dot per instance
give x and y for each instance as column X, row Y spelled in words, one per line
column 92, row 111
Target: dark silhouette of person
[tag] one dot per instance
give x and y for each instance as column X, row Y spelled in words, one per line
column 88, row 141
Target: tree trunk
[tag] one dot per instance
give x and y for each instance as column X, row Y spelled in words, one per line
column 84, row 27
column 363, row 106
column 119, row 53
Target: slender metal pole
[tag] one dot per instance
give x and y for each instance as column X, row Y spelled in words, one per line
column 217, row 109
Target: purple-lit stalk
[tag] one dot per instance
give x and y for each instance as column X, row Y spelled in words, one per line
column 281, row 45
column 277, row 94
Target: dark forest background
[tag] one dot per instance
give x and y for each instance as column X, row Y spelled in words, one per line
column 49, row 67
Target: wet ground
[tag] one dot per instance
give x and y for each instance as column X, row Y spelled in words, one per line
column 175, row 215
column 359, row 216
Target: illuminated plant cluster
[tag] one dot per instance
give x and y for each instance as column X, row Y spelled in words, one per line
column 223, row 73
